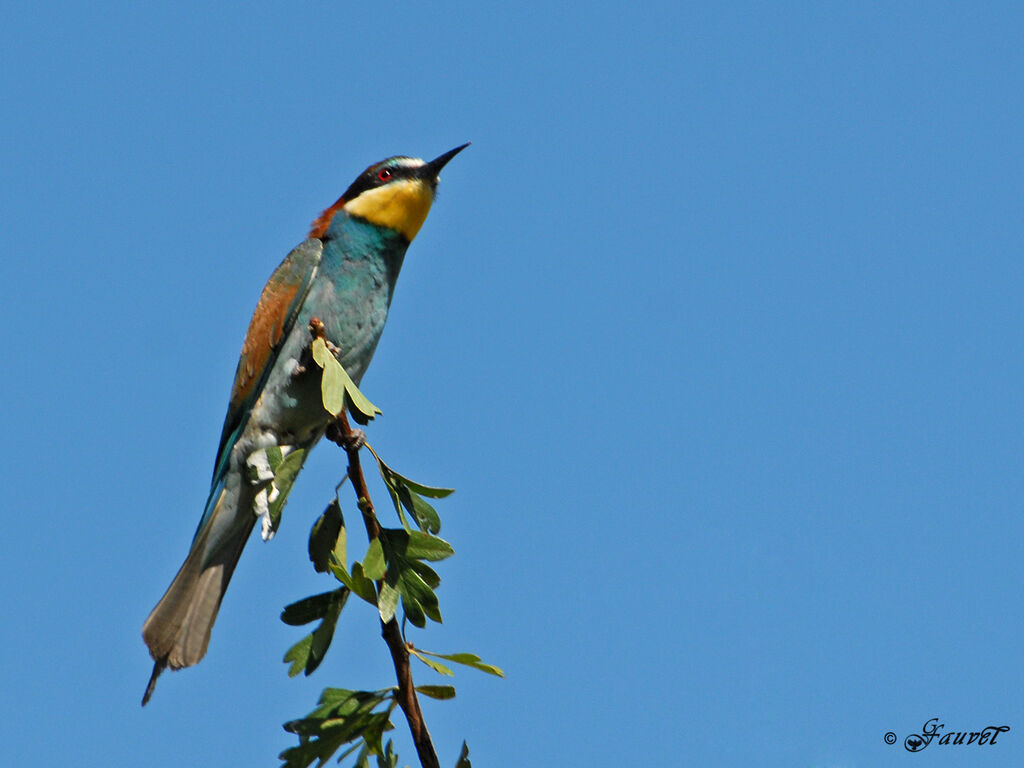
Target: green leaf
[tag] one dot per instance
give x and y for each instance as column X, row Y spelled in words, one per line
column 413, row 580
column 341, row 702
column 387, row 600
column 332, row 382
column 336, row 384
column 367, row 589
column 408, row 494
column 430, row 491
column 319, row 350
column 464, row 758
column 308, row 609
column 298, row 655
column 333, row 388
column 350, row 750
column 358, row 402
column 331, row 698
column 467, row 659
column 323, row 634
column 414, row 545
column 425, row 515
column 323, row 539
column 305, row 754
column 284, row 478
column 356, row 581
column 310, row 650
column 437, row 666
column 398, row 508
column 426, row 573
column 375, row 730
column 363, row 759
column 374, row 727
column 322, row 733
column 373, row 564
column 340, row 543
column 409, row 576
column 422, row 546
column 389, row 759
column 437, row 691
column 412, row 585
column 413, row 611
column 341, row 707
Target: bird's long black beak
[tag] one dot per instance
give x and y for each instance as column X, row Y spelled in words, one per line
column 433, row 168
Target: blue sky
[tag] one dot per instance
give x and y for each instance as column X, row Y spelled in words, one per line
column 716, row 328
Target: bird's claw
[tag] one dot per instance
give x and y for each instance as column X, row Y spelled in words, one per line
column 352, row 441
column 355, row 440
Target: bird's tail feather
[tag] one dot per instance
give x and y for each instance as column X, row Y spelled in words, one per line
column 178, row 629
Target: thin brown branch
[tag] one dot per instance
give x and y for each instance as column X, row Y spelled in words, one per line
column 407, row 698
column 341, row 433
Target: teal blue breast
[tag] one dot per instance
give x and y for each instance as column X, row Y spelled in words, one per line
column 354, row 286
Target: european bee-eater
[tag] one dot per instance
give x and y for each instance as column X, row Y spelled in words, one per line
column 344, row 274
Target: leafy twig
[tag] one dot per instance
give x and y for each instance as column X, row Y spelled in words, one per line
column 341, row 433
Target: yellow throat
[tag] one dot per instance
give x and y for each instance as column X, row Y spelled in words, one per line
column 402, row 205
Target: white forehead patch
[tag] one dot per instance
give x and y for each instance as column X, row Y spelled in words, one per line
column 408, row 162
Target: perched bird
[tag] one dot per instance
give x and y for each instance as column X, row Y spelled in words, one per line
column 344, row 274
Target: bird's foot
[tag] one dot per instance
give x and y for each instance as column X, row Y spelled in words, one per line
column 333, row 348
column 354, row 440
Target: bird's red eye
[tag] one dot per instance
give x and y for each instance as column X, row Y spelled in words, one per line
column 383, row 174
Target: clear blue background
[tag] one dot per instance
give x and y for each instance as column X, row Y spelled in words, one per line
column 716, row 328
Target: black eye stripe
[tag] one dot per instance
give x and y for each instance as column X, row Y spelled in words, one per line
column 370, row 178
